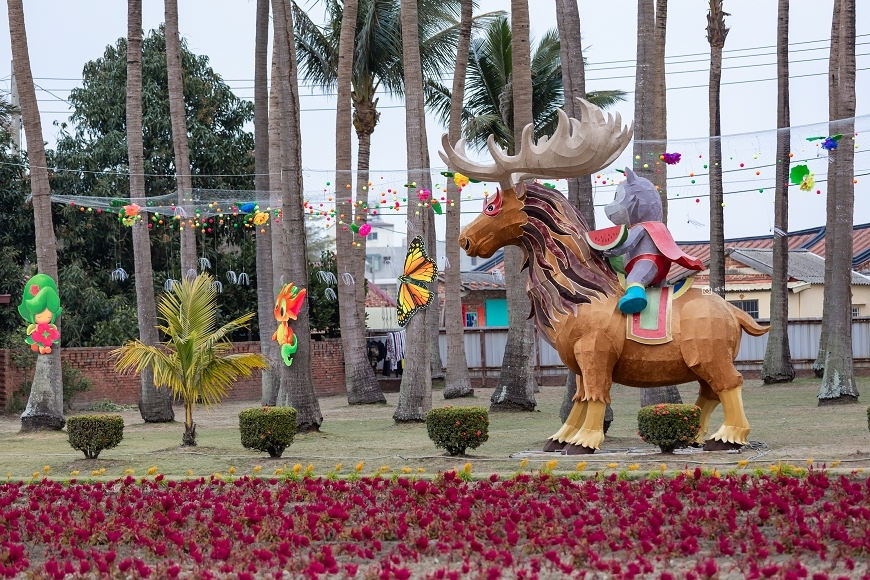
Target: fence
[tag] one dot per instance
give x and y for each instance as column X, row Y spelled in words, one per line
column 484, row 350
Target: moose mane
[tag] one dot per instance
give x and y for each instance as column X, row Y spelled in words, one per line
column 564, row 272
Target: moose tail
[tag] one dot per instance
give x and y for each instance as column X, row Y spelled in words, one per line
column 747, row 323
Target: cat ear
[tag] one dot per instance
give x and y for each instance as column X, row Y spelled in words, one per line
column 629, row 176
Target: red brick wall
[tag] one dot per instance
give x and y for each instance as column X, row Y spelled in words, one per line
column 327, row 367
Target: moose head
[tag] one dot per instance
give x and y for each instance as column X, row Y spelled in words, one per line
column 576, row 148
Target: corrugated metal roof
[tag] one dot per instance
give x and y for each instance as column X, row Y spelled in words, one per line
column 478, row 280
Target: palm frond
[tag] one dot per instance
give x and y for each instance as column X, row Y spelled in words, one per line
column 605, row 99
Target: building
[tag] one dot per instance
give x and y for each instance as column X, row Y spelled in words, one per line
column 484, row 302
column 748, row 279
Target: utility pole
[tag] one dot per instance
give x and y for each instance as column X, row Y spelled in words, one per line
column 15, row 129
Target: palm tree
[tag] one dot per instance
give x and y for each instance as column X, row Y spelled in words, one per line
column 45, row 405
column 415, row 391
column 178, row 119
column 193, row 361
column 457, row 383
column 833, row 108
column 650, row 128
column 297, row 386
column 265, row 284
column 155, row 406
column 838, row 382
column 716, row 33
column 777, row 358
column 488, row 106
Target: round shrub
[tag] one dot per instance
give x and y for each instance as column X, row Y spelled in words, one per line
column 458, row 428
column 91, row 434
column 269, row 429
column 669, row 426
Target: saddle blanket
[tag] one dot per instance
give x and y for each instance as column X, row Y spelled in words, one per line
column 652, row 325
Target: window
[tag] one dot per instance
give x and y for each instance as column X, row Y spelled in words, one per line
column 856, row 310
column 372, row 236
column 471, row 319
column 750, row 307
column 374, row 262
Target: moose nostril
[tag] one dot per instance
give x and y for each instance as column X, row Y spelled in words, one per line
column 465, row 243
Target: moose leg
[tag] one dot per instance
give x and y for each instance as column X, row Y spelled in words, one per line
column 572, row 424
column 707, row 401
column 735, row 427
column 597, row 358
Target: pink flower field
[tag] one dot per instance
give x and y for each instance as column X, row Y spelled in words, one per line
column 530, row 526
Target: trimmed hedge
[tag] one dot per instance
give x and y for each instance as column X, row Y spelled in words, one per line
column 91, row 434
column 668, row 425
column 458, row 428
column 269, row 429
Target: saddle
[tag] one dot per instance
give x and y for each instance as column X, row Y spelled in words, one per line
column 653, row 324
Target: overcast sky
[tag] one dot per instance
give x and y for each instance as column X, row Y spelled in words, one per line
column 64, row 35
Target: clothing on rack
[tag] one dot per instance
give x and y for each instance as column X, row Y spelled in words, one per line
column 395, row 348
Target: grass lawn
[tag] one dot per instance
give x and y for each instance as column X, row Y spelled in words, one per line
column 784, row 417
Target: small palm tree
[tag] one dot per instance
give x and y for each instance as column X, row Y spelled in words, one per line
column 193, row 360
column 489, row 107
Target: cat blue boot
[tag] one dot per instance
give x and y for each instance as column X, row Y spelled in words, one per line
column 634, row 300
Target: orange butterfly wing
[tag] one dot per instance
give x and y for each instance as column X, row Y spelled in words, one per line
column 419, row 270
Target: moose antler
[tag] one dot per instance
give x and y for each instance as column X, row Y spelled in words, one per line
column 576, row 148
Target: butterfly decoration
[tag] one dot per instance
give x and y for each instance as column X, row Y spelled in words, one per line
column 419, row 271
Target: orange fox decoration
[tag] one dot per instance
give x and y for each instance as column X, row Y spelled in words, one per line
column 287, row 306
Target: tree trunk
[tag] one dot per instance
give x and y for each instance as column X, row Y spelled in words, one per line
column 716, row 33
column 516, row 383
column 838, row 382
column 831, row 193
column 777, row 358
column 433, row 313
column 660, row 105
column 155, row 405
column 358, row 252
column 270, row 391
column 415, row 391
column 265, row 286
column 45, row 405
column 574, row 86
column 188, row 439
column 458, row 382
column 362, row 385
column 177, row 115
column 297, row 386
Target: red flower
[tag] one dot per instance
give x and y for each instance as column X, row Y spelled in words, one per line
column 45, row 334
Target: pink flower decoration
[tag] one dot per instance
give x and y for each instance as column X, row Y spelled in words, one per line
column 671, row 158
column 424, row 195
column 365, row 230
column 45, row 334
column 34, row 289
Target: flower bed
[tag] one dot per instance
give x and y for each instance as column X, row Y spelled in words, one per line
column 690, row 526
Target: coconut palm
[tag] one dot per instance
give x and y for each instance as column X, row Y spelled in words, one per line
column 45, row 405
column 838, row 382
column 458, row 382
column 193, row 361
column 177, row 114
column 777, row 358
column 488, row 107
column 155, row 406
column 716, row 33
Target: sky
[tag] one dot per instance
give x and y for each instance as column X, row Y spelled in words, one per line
column 63, row 36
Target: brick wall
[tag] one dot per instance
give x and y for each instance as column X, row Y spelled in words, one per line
column 327, row 368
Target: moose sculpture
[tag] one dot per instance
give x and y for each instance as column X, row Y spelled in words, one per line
column 574, row 290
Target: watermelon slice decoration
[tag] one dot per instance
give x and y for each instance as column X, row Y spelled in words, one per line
column 608, row 238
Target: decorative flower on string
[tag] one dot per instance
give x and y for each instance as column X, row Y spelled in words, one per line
column 670, row 158
column 247, row 207
column 460, row 180
column 808, row 182
column 260, row 218
column 131, row 210
column 802, row 176
column 830, row 143
column 365, row 230
column 424, row 195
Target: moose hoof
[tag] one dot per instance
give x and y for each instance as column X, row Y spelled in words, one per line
column 571, row 449
column 715, row 445
column 554, row 445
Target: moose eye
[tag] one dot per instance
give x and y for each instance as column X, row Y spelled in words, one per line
column 490, row 207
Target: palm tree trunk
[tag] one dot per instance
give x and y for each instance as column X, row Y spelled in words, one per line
column 155, row 405
column 297, row 386
column 660, row 105
column 279, row 250
column 574, row 87
column 362, row 385
column 415, row 391
column 831, row 194
column 716, row 33
column 179, row 136
column 265, row 286
column 45, row 405
column 458, row 382
column 650, row 106
column 364, row 149
column 188, row 439
column 777, row 358
column 838, row 382
column 516, row 383
column 433, row 313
